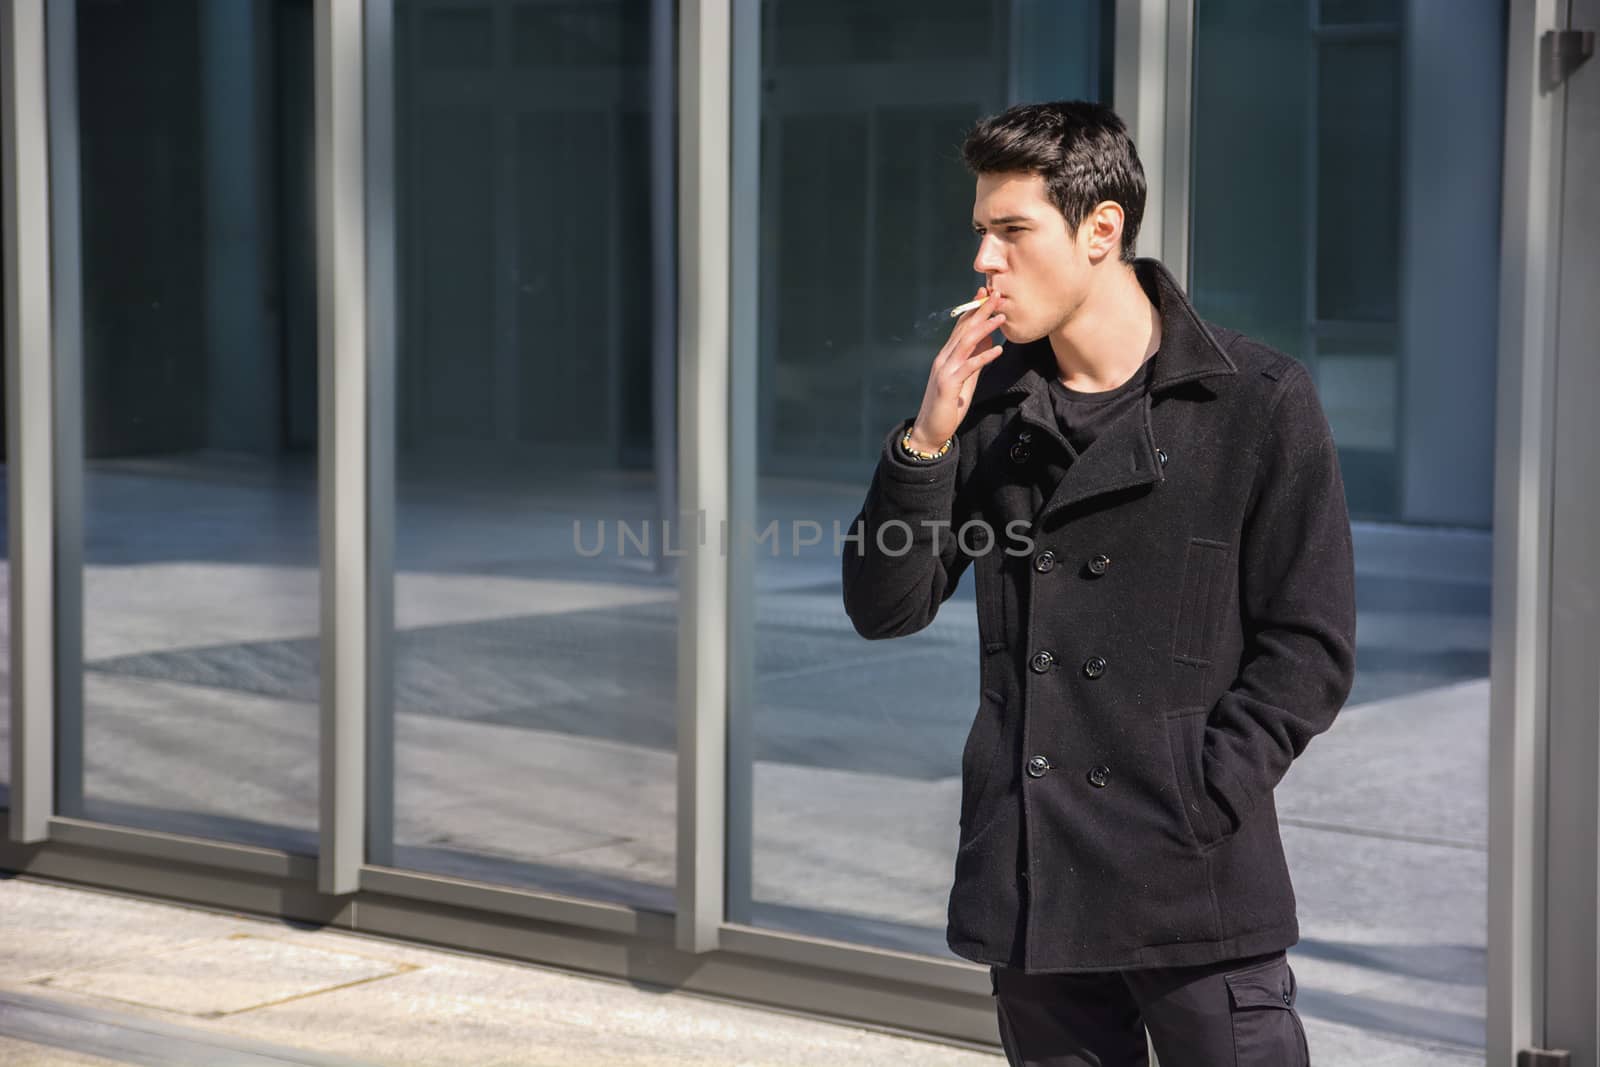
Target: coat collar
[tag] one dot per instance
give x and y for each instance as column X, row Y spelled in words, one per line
column 1188, row 352
column 1125, row 455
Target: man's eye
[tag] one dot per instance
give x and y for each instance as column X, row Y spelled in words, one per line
column 1013, row 229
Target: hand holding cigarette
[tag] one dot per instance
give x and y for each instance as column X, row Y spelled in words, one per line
column 954, row 374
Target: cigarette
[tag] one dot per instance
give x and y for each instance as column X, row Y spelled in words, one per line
column 962, row 309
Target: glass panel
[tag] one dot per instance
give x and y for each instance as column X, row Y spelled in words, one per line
column 1250, row 218
column 1320, row 230
column 1358, row 377
column 1358, row 12
column 1296, row 212
column 200, row 580
column 1358, row 181
column 829, row 33
column 866, row 228
column 534, row 677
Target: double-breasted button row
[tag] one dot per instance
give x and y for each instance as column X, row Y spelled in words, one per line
column 1042, row 660
column 1045, row 562
column 1039, row 766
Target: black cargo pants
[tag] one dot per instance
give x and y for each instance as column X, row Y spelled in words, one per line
column 1236, row 1013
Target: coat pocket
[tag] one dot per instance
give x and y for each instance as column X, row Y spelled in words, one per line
column 978, row 758
column 1186, row 737
column 1199, row 596
column 994, row 602
column 1266, row 1028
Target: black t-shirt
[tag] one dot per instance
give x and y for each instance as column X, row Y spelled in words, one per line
column 1082, row 416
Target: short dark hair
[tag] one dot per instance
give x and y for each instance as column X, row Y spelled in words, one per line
column 1080, row 148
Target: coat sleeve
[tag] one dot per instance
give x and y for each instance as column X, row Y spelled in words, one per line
column 901, row 558
column 1297, row 602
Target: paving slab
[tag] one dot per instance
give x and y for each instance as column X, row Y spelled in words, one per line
column 18, row 1053
column 220, row 976
column 437, row 1008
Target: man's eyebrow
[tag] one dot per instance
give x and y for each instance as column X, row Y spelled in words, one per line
column 1002, row 221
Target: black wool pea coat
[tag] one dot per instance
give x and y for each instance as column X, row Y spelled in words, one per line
column 1164, row 622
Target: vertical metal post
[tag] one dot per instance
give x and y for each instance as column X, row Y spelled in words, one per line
column 1139, row 96
column 1150, row 91
column 342, row 437
column 1524, row 446
column 744, row 453
column 704, row 60
column 24, row 163
column 1572, row 688
column 1177, row 178
column 382, row 353
column 66, row 401
column 663, row 268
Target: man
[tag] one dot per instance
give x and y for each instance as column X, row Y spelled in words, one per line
column 1153, row 512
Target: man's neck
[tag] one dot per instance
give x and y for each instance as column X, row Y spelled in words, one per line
column 1109, row 337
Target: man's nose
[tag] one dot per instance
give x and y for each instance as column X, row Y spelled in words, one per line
column 988, row 260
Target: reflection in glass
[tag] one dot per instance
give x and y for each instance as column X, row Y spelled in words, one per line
column 534, row 681
column 1343, row 170
column 852, row 750
column 196, row 707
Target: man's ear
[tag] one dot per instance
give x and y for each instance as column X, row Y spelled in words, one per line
column 1102, row 230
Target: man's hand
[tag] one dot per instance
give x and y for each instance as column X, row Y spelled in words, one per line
column 955, row 373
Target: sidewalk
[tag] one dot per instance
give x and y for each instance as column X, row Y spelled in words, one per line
column 91, row 978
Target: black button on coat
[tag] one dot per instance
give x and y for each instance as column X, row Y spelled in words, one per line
column 1228, row 623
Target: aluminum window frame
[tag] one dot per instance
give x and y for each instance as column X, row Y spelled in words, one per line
column 1152, row 89
column 704, row 209
column 342, row 447
column 1519, row 661
column 66, row 406
column 24, row 132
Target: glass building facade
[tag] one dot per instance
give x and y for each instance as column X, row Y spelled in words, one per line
column 406, row 358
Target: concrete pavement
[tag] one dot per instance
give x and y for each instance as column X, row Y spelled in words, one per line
column 91, row 978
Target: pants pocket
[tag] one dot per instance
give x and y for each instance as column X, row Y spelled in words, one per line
column 1266, row 1028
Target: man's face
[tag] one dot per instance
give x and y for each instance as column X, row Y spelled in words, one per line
column 1028, row 254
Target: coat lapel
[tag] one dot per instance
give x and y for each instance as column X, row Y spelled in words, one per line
column 1124, row 456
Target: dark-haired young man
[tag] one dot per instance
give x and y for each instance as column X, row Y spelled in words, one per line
column 1154, row 515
